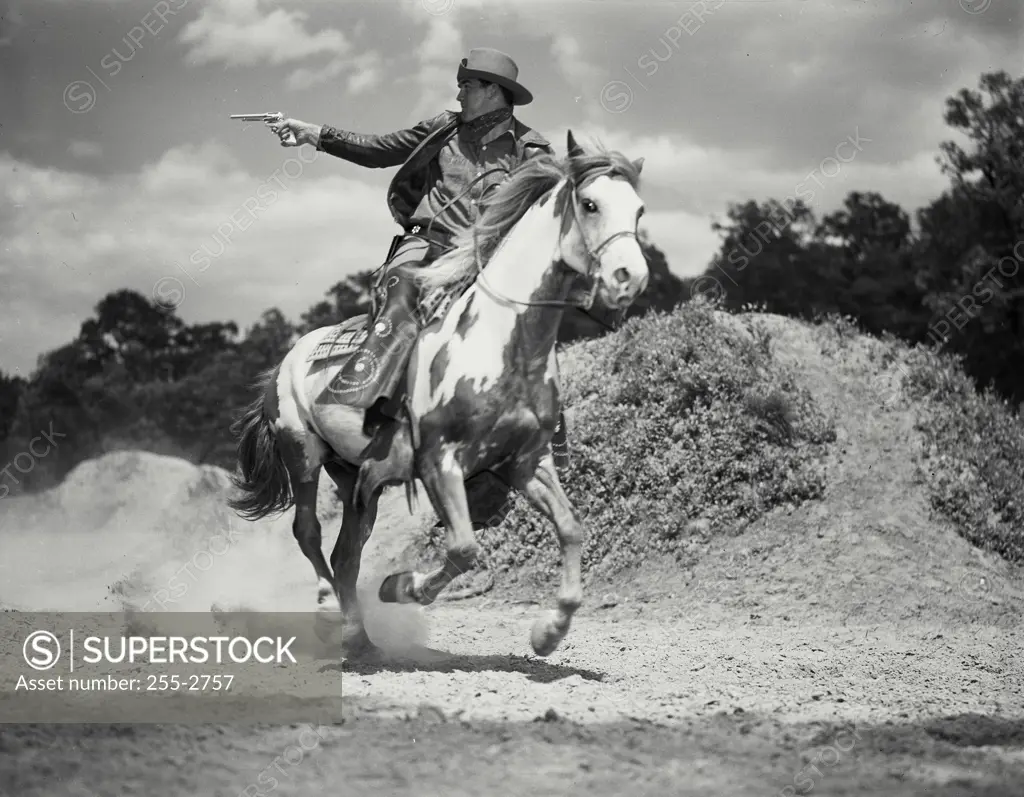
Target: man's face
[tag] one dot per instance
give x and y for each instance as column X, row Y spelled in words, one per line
column 472, row 96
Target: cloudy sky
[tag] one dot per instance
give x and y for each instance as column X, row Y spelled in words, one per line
column 120, row 168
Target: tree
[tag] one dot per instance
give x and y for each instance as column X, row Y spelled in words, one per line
column 345, row 299
column 867, row 224
column 199, row 345
column 64, row 394
column 768, row 258
column 991, row 172
column 268, row 341
column 135, row 376
column 11, row 389
column 133, row 332
column 972, row 247
column 871, row 253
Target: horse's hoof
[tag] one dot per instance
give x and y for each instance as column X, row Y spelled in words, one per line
column 397, row 588
column 329, row 627
column 357, row 646
column 544, row 637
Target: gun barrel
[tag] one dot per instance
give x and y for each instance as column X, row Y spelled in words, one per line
column 251, row 117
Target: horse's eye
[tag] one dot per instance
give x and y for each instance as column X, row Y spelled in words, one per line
column 589, row 206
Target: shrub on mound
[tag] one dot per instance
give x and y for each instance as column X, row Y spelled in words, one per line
column 973, row 459
column 682, row 425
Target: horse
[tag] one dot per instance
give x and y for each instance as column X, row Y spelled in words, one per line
column 482, row 389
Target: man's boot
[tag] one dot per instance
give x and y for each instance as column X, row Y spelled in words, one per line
column 373, row 378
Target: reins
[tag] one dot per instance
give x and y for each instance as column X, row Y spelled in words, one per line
column 452, row 201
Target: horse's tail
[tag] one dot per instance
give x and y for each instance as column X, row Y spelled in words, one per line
column 264, row 481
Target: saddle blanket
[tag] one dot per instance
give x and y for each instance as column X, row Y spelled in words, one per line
column 341, row 339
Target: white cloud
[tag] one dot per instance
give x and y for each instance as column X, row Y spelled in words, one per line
column 687, row 240
column 685, row 186
column 249, row 33
column 306, row 77
column 233, row 241
column 85, row 149
column 245, row 33
column 568, row 57
column 367, row 72
column 365, row 78
column 13, row 23
column 364, row 72
column 704, row 179
column 437, row 55
column 442, row 40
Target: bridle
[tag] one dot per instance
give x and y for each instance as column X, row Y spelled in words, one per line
column 593, row 261
column 593, row 255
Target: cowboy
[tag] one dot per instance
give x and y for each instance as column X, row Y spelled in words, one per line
column 447, row 164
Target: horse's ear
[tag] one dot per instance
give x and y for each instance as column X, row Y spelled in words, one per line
column 638, row 164
column 575, row 150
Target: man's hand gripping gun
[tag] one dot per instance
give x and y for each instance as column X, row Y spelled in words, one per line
column 264, row 117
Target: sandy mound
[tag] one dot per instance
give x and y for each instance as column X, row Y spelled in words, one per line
column 872, row 549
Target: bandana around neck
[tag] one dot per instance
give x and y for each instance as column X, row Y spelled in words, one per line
column 479, row 127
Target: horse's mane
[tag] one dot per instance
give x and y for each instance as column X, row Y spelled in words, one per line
column 527, row 184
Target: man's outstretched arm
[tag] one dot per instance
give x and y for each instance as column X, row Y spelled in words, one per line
column 372, row 151
column 376, row 151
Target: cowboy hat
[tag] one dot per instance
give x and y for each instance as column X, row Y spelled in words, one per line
column 494, row 66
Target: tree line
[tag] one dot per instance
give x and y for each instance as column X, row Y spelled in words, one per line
column 137, row 376
column 948, row 277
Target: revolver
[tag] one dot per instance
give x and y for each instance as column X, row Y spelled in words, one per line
column 264, row 117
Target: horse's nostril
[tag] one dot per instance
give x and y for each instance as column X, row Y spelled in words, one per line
column 621, row 275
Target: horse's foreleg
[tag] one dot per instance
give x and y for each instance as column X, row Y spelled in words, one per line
column 545, row 492
column 444, row 483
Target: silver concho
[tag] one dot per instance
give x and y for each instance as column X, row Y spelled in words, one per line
column 367, row 367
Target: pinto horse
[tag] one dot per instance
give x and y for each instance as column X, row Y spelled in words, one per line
column 482, row 388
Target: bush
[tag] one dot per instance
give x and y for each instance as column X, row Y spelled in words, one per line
column 973, row 462
column 685, row 427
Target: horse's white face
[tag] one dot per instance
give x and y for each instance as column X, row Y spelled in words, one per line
column 607, row 213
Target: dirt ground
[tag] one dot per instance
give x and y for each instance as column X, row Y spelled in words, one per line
column 852, row 646
column 646, row 698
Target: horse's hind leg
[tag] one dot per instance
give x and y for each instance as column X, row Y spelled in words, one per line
column 444, row 482
column 307, row 531
column 348, row 551
column 544, row 491
column 303, row 454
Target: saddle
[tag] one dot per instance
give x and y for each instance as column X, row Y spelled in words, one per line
column 342, row 339
column 348, row 336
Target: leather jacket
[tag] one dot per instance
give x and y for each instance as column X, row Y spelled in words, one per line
column 415, row 151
